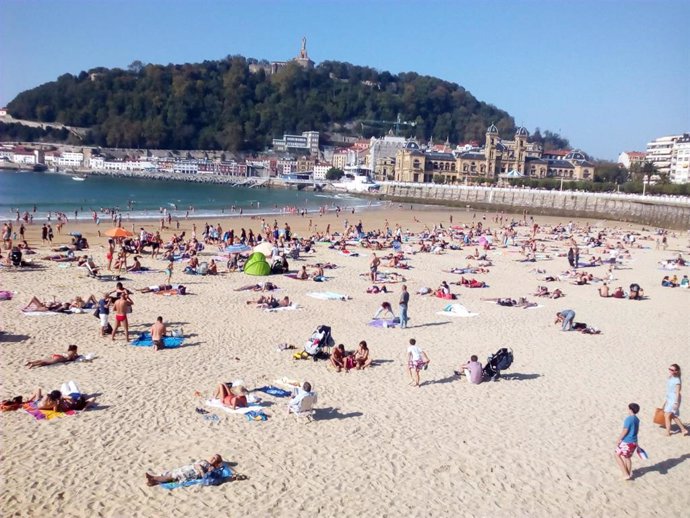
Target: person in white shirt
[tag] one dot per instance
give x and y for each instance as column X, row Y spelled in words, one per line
column 294, row 405
column 416, row 361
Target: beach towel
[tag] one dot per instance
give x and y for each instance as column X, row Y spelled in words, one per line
column 384, row 323
column 288, row 382
column 169, row 342
column 216, row 403
column 274, row 391
column 216, row 477
column 347, row 253
column 294, row 276
column 456, row 310
column 283, row 308
column 327, row 295
column 30, row 408
column 167, row 293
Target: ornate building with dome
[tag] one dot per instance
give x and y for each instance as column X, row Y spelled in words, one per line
column 517, row 158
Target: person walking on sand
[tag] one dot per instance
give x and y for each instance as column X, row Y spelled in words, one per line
column 122, row 307
column 627, row 441
column 671, row 404
column 416, row 361
column 402, row 305
column 158, row 332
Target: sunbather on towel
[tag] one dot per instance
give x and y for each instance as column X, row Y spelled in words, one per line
column 376, row 289
column 232, row 397
column 59, row 402
column 522, row 302
column 71, row 355
column 270, row 302
column 262, row 286
column 186, row 473
column 36, row 305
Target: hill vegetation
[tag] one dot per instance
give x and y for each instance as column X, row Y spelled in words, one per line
column 222, row 105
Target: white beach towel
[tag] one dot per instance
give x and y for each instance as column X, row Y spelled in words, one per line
column 327, row 295
column 216, row 403
column 285, row 308
column 456, row 310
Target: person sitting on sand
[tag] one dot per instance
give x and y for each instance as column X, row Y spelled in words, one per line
column 384, row 308
column 443, row 290
column 302, row 275
column 194, row 471
column 604, row 290
column 231, row 397
column 472, row 370
column 319, row 275
column 71, row 356
column 158, row 333
column 636, row 293
column 136, row 267
column 542, row 291
column 666, row 282
column 618, row 293
column 337, row 358
column 50, row 401
column 685, row 282
column 361, row 356
column 212, row 267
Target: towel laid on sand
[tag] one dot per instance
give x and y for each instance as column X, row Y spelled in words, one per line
column 274, row 391
column 456, row 310
column 216, row 403
column 169, row 342
column 384, row 323
column 327, row 295
column 283, row 308
column 30, row 408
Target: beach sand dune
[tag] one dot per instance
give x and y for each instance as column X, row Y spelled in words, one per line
column 537, row 443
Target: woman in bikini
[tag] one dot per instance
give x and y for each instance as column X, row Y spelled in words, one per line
column 71, row 356
column 231, row 397
column 362, row 359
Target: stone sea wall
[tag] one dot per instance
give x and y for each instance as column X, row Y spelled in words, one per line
column 658, row 211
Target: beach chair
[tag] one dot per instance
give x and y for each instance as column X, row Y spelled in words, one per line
column 305, row 410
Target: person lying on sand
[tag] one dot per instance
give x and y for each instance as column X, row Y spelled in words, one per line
column 522, row 302
column 36, row 305
column 325, row 266
column 231, row 397
column 270, row 302
column 543, row 291
column 190, row 472
column 262, row 286
column 71, row 356
column 375, row 289
column 58, row 402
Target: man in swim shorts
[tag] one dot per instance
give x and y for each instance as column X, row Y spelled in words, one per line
column 122, row 306
column 627, row 441
column 158, row 332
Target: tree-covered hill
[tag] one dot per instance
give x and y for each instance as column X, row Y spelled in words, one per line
column 221, row 105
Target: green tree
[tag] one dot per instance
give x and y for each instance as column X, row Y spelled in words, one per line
column 334, row 174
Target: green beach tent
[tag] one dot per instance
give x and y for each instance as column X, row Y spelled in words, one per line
column 257, row 265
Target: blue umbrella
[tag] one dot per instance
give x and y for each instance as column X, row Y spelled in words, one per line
column 237, row 249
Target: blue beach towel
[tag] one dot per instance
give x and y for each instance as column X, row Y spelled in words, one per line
column 256, row 416
column 274, row 391
column 169, row 342
column 214, row 478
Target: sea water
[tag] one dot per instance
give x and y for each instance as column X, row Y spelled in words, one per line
column 146, row 199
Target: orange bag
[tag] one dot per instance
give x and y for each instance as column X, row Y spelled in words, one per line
column 659, row 417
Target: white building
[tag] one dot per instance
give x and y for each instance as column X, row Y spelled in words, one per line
column 24, row 156
column 659, row 152
column 320, row 171
column 630, row 158
column 70, row 159
column 680, row 160
column 308, row 142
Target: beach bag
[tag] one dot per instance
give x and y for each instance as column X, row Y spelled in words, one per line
column 97, row 313
column 659, row 417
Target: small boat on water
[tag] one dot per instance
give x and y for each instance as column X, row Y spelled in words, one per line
column 78, row 178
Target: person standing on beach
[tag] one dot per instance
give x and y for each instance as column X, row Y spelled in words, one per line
column 122, row 307
column 416, row 361
column 627, row 441
column 374, row 268
column 44, row 233
column 169, row 271
column 402, row 304
column 671, row 404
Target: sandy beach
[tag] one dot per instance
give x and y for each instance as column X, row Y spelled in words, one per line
column 538, row 442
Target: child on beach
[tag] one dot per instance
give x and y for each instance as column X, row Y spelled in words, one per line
column 169, row 272
column 416, row 361
column 627, row 441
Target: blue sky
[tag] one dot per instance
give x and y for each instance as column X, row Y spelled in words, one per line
column 609, row 75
